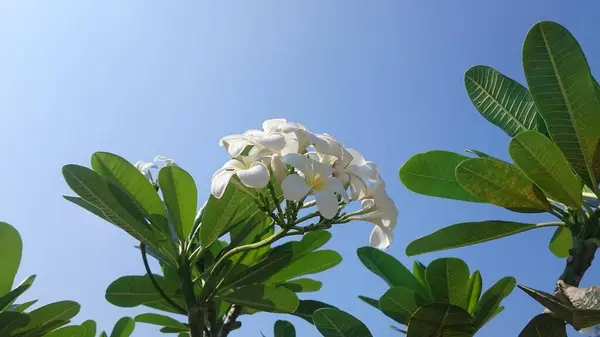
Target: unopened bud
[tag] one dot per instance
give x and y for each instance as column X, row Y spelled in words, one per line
column 278, row 168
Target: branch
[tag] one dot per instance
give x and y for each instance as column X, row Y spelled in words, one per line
column 155, row 283
column 230, row 320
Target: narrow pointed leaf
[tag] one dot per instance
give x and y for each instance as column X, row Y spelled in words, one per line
column 120, row 171
column 337, row 323
column 562, row 87
column 501, row 184
column 306, row 309
column 544, row 325
column 491, row 299
column 448, row 279
column 264, row 298
column 440, row 320
column 118, row 207
column 370, row 301
column 578, row 318
column 474, row 287
column 47, row 315
column 419, row 273
column 11, row 296
column 501, row 100
column 543, row 163
column 561, row 242
column 11, row 248
column 394, row 273
column 400, row 303
column 432, row 173
column 103, row 334
column 302, row 285
column 123, row 328
column 284, row 329
column 310, row 263
column 466, row 234
column 23, row 306
column 161, row 320
column 181, row 197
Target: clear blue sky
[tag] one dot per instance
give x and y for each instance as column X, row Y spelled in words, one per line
column 141, row 78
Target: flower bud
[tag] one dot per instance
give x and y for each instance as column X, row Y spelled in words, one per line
column 278, row 168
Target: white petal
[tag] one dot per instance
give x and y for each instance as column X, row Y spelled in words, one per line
column 380, row 238
column 291, row 144
column 219, row 182
column 235, row 144
column 334, row 185
column 294, row 187
column 257, row 176
column 233, row 164
column 255, row 133
column 274, row 141
column 327, row 204
column 358, row 188
column 367, row 203
column 278, row 168
column 321, row 169
column 271, row 124
column 357, row 158
column 298, row 161
column 290, row 127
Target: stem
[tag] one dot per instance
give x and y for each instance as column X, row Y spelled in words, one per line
column 583, row 251
column 155, row 283
column 232, row 315
column 251, row 246
column 306, row 217
column 309, row 204
column 277, row 204
column 195, row 314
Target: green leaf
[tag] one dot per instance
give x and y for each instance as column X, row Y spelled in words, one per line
column 103, row 334
column 131, row 291
column 123, row 328
column 501, row 184
column 561, row 84
column 474, row 291
column 466, row 234
column 432, row 173
column 543, row 163
column 161, row 320
column 47, row 316
column 419, row 273
column 118, row 170
column 87, row 206
column 561, row 242
column 8, row 299
column 370, row 301
column 544, row 325
column 491, row 299
column 399, row 303
column 117, row 207
column 181, row 197
column 168, row 329
column 578, row 318
column 390, row 270
column 307, row 308
column 11, row 321
column 23, row 306
column 68, row 331
column 11, row 248
column 448, row 279
column 284, row 329
column 440, row 320
column 302, row 285
column 234, row 207
column 336, row 323
column 479, row 154
column 310, row 263
column 264, row 298
column 263, row 270
column 90, row 328
column 501, row 100
column 312, row 241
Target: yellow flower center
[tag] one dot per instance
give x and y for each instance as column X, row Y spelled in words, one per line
column 319, row 183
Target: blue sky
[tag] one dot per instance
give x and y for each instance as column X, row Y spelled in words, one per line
column 141, row 78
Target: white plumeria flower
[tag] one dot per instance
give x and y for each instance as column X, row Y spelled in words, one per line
column 271, row 137
column 383, row 214
column 145, row 167
column 250, row 169
column 316, row 179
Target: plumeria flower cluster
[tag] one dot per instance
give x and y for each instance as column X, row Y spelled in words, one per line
column 312, row 170
column 147, row 167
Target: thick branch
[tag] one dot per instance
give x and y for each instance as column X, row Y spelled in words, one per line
column 155, row 284
column 580, row 259
column 230, row 320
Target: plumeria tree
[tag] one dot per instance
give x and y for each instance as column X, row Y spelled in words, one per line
column 224, row 259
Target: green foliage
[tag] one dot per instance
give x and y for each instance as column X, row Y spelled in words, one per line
column 544, row 325
column 263, row 297
column 336, row 323
column 443, row 287
column 11, row 248
column 132, row 291
column 561, row 242
column 123, row 328
column 284, row 329
column 181, row 197
column 432, row 173
column 440, row 319
column 501, row 100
